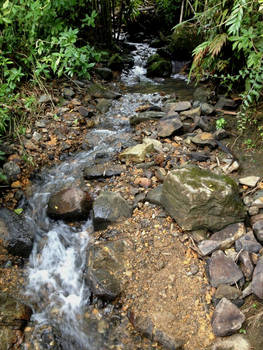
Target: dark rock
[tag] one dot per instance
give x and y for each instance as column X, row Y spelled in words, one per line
column 110, row 207
column 154, row 196
column 68, row 93
column 13, row 313
column 102, row 170
column 85, row 112
column 98, row 91
column 69, row 204
column 247, row 266
column 208, row 246
column 198, row 199
column 202, row 94
column 144, row 116
column 227, row 319
column 168, row 126
column 104, row 73
column 199, row 156
column 16, row 234
column 257, row 280
column 249, row 243
column 226, row 103
column 258, row 230
column 223, row 270
column 103, row 267
column 11, row 170
column 207, row 109
column 226, row 291
column 204, row 139
column 220, row 134
column 103, row 105
column 116, row 62
column 157, row 66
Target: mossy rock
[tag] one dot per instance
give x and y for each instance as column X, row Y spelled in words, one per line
column 157, row 66
column 116, row 62
column 183, row 41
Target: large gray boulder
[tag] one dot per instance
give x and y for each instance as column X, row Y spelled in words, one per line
column 199, row 199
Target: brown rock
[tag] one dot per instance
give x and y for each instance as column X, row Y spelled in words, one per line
column 143, row 182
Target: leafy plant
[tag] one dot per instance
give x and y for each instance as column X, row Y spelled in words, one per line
column 220, row 123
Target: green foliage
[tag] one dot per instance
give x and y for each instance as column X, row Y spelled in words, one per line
column 220, row 123
column 233, row 49
column 168, row 9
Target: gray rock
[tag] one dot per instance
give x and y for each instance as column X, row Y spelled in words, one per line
column 41, row 123
column 223, row 270
column 199, row 156
column 227, row 103
column 86, row 112
column 191, row 113
column 168, row 126
column 208, row 246
column 220, row 134
column 104, row 73
column 110, row 207
column 154, row 196
column 37, row 136
column 11, row 170
column 207, row 109
column 69, row 204
column 227, row 318
column 68, row 93
column 202, row 94
column 99, row 91
column 103, row 105
column 234, row 342
column 257, row 279
column 247, row 266
column 44, row 99
column 226, row 291
column 249, row 243
column 104, row 264
column 178, row 107
column 16, row 234
column 102, row 170
column 250, row 181
column 258, row 230
column 198, row 199
column 204, row 139
column 228, row 232
column 144, row 116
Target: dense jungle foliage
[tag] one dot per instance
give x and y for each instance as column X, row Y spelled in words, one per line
column 44, row 39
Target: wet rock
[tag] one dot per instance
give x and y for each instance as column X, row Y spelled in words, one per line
column 199, row 156
column 249, row 243
column 11, row 170
column 191, row 112
column 202, row 94
column 154, row 196
column 206, row 108
column 104, row 73
column 158, row 66
column 110, row 207
column 98, row 91
column 13, row 313
column 198, row 199
column 103, row 170
column 178, row 107
column 16, row 234
column 103, row 267
column 234, row 342
column 228, row 292
column 227, row 319
column 168, row 126
column 257, row 279
column 250, row 181
column 69, row 204
column 247, row 266
column 223, row 270
column 204, row 139
column 116, row 62
column 258, row 230
column 144, row 116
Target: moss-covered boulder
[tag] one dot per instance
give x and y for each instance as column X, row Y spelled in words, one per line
column 199, row 199
column 183, row 40
column 116, row 62
column 158, row 66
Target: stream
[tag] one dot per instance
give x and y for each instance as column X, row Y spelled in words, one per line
column 55, row 284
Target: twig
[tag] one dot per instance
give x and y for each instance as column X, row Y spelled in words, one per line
column 226, row 112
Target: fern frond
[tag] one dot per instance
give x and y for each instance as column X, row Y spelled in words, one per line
column 217, row 44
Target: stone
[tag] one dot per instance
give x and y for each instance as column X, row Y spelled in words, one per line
column 168, row 126
column 204, row 139
column 69, row 204
column 226, row 291
column 228, row 232
column 13, row 313
column 258, row 202
column 44, row 99
column 11, row 170
column 104, row 73
column 249, row 181
column 178, row 107
column 103, row 267
column 153, row 144
column 253, row 211
column 227, row 318
column 207, row 109
column 158, row 66
column 144, row 116
column 68, row 93
column 199, row 156
column 202, row 94
column 199, row 199
column 110, row 207
column 226, row 103
column 15, row 233
column 256, row 218
column 143, row 182
column 220, row 134
column 191, row 112
column 207, row 246
column 85, row 112
column 102, row 170
column 30, row 146
column 234, row 342
column 230, row 168
column 223, row 270
column 249, row 243
column 258, row 230
column 247, row 266
column 257, row 279
column 103, row 105
column 138, row 153
column 154, row 196
column 97, row 90
column 160, row 173
column 36, row 136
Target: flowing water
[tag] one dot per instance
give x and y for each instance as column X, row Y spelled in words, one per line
column 55, row 284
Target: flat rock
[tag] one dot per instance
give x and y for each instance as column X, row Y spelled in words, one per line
column 234, row 342
column 191, row 112
column 154, row 196
column 204, row 139
column 169, row 126
column 250, row 181
column 228, row 232
column 16, row 234
column 227, row 318
column 257, row 279
column 249, row 243
column 138, row 153
column 226, row 291
column 179, row 106
column 258, row 230
column 103, row 170
column 144, row 116
column 199, row 156
column 69, row 204
column 199, row 199
column 223, row 270
column 208, row 246
column 110, row 207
